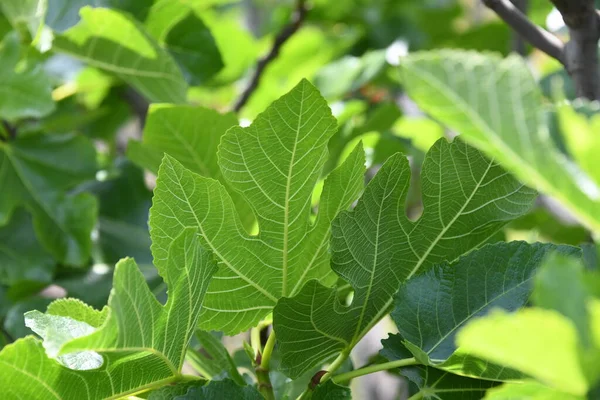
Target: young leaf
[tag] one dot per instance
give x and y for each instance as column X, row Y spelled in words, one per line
column 496, row 105
column 26, row 93
column 36, row 171
column 115, row 42
column 541, row 343
column 432, row 307
column 530, row 390
column 191, row 135
column 466, row 198
column 142, row 343
column 274, row 165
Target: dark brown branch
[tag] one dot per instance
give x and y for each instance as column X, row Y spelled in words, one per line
column 280, row 39
column 581, row 52
column 536, row 36
column 518, row 42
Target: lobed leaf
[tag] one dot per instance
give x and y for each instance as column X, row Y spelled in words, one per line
column 466, row 198
column 274, row 164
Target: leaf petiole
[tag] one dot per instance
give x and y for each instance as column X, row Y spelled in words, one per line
column 374, row 368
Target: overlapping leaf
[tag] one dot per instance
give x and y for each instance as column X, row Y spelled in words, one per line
column 35, row 172
column 191, row 135
column 23, row 93
column 566, row 320
column 496, row 105
column 431, row 308
column 466, row 198
column 274, row 164
column 114, row 42
column 22, row 258
column 142, row 343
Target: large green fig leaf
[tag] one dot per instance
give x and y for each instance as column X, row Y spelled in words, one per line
column 274, row 164
column 466, row 199
column 139, row 343
column 496, row 105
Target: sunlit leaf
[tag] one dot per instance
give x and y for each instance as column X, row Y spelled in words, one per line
column 376, row 247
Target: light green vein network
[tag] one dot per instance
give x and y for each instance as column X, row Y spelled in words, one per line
column 466, row 198
column 274, row 164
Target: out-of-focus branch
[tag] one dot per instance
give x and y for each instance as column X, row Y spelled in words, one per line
column 581, row 52
column 518, row 42
column 280, row 39
column 579, row 55
column 538, row 37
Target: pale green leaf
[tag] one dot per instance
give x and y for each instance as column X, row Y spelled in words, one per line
column 25, row 92
column 541, row 343
column 191, row 135
column 528, row 390
column 467, row 199
column 274, row 165
column 496, row 105
column 25, row 15
column 36, row 172
column 115, row 42
column 142, row 343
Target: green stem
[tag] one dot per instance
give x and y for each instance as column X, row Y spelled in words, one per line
column 255, row 340
column 416, row 396
column 268, row 351
column 262, row 370
column 374, row 368
column 335, row 365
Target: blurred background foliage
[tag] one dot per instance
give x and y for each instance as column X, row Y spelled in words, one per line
column 69, row 113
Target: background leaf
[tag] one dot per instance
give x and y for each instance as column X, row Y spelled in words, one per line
column 114, row 42
column 509, row 125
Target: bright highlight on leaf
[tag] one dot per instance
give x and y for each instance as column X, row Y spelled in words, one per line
column 142, row 343
column 274, row 165
column 496, row 105
column 117, row 43
column 466, row 198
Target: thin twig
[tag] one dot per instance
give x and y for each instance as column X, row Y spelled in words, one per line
column 538, row 37
column 10, row 129
column 280, row 39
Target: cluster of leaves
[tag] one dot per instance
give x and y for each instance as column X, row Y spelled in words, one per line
column 272, row 224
